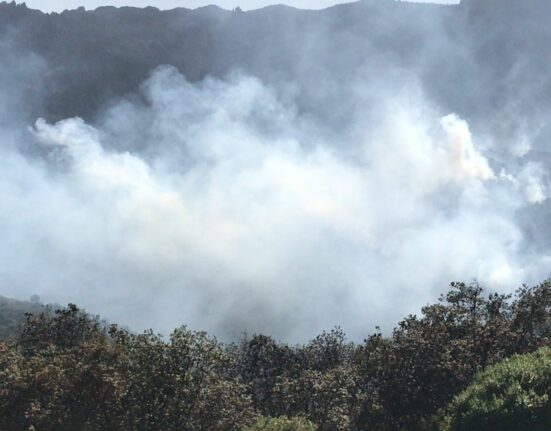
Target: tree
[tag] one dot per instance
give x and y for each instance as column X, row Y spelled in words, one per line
column 66, row 370
column 180, row 385
column 531, row 320
column 260, row 362
column 330, row 399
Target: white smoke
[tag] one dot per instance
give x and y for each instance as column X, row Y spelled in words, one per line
column 219, row 205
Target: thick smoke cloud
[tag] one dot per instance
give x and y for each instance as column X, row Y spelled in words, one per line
column 222, row 205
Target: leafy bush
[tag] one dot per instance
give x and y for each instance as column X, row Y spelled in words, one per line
column 282, row 424
column 512, row 395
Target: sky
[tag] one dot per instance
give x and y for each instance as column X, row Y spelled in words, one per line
column 60, row 5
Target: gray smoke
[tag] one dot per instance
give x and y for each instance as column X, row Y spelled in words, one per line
column 231, row 211
column 351, row 194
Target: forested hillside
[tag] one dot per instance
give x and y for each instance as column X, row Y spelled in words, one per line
column 68, row 371
column 12, row 315
column 471, row 58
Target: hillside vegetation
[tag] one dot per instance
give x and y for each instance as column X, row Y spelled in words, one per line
column 512, row 395
column 67, row 371
column 12, row 315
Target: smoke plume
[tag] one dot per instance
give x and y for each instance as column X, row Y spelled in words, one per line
column 224, row 205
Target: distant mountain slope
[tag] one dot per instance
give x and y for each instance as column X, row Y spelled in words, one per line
column 90, row 56
column 12, row 314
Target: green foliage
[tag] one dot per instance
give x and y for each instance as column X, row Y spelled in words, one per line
column 182, row 384
column 12, row 315
column 60, row 389
column 331, row 399
column 282, row 424
column 64, row 328
column 431, row 358
column 513, row 395
column 67, row 370
column 261, row 361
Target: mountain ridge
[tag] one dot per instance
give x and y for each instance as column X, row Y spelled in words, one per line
column 93, row 56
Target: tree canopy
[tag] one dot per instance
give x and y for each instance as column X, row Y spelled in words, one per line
column 67, row 370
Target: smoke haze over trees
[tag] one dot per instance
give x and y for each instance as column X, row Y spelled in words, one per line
column 276, row 170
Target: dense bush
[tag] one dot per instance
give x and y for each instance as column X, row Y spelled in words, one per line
column 282, row 424
column 67, row 370
column 513, row 395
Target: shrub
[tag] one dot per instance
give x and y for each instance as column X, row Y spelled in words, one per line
column 511, row 395
column 282, row 424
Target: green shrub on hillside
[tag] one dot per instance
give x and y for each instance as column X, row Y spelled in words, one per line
column 514, row 394
column 282, row 424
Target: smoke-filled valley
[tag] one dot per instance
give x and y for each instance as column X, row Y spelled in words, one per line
column 277, row 171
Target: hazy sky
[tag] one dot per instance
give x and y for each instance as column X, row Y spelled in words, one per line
column 60, row 5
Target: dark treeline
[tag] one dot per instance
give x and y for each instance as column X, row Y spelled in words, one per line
column 12, row 314
column 66, row 370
